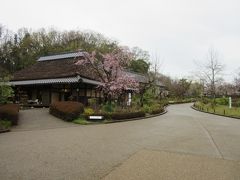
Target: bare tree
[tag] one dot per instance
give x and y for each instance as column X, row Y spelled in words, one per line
column 211, row 71
column 237, row 81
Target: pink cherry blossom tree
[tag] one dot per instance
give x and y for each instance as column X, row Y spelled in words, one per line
column 109, row 68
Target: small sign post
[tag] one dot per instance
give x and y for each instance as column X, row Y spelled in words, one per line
column 129, row 99
column 230, row 102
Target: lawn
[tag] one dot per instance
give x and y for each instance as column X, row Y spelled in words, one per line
column 219, row 109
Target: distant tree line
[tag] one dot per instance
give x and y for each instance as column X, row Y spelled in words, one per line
column 22, row 48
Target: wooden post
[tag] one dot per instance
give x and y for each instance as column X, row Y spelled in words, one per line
column 230, row 102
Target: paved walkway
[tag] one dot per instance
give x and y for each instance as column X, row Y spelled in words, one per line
column 39, row 119
column 181, row 139
column 148, row 164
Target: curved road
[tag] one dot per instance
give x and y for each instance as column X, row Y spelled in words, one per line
column 92, row 152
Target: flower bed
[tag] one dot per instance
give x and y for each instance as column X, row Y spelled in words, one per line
column 10, row 112
column 66, row 110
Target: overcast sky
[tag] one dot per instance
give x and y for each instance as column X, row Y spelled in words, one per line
column 178, row 31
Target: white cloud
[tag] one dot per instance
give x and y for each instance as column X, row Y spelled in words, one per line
column 179, row 31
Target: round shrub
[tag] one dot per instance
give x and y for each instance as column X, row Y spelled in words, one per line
column 10, row 112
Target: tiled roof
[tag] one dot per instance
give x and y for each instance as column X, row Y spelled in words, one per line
column 54, row 69
column 55, row 81
column 51, row 69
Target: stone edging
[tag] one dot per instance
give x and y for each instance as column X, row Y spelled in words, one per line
column 214, row 113
column 4, row 131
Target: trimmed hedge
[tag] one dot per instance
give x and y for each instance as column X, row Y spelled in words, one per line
column 66, row 110
column 104, row 114
column 10, row 112
column 127, row 115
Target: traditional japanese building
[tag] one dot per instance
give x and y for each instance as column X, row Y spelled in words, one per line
column 57, row 78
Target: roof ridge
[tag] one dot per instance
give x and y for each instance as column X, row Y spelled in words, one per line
column 61, row 53
column 61, row 56
column 133, row 72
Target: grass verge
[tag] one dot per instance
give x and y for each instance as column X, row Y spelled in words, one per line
column 219, row 109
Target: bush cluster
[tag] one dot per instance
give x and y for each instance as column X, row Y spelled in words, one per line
column 157, row 111
column 154, row 109
column 66, row 110
column 88, row 111
column 10, row 112
column 222, row 101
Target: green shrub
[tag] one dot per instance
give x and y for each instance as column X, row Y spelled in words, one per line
column 88, row 112
column 81, row 121
column 10, row 112
column 6, row 91
column 206, row 101
column 5, row 124
column 108, row 107
column 222, row 101
column 146, row 108
column 154, row 108
column 93, row 103
column 157, row 111
column 164, row 102
column 66, row 110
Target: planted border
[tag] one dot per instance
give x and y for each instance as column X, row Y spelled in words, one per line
column 206, row 110
column 66, row 110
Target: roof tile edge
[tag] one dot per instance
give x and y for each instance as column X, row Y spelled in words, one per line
column 61, row 56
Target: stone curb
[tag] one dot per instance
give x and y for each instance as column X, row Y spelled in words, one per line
column 4, row 131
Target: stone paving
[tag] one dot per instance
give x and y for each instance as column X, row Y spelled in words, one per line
column 56, row 149
column 39, row 119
